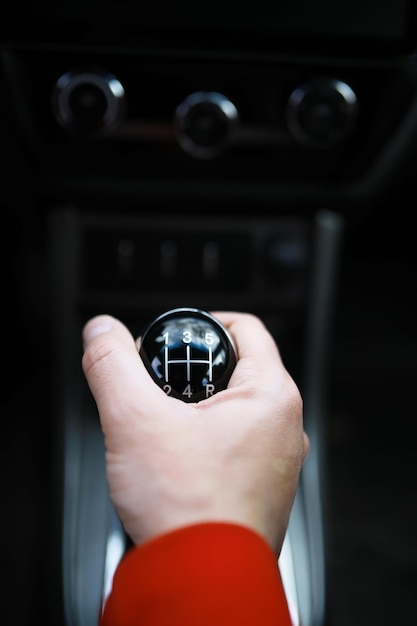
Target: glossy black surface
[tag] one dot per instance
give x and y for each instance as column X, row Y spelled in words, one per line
column 188, row 353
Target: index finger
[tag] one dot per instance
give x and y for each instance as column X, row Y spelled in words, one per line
column 252, row 338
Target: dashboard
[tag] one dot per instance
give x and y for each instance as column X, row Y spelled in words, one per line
column 303, row 105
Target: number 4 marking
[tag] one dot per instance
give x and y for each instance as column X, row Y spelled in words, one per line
column 188, row 391
column 210, row 390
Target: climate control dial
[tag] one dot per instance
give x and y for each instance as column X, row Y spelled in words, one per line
column 205, row 123
column 88, row 101
column 322, row 112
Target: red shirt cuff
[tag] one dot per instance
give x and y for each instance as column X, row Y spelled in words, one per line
column 206, row 574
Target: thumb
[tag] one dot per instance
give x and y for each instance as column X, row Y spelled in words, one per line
column 114, row 370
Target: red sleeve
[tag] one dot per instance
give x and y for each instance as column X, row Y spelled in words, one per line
column 204, row 574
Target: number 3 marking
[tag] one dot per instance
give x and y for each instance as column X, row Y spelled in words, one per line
column 187, row 336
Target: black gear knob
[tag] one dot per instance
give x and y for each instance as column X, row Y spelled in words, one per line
column 188, row 353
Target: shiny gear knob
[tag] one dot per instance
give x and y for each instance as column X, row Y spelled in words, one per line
column 188, row 353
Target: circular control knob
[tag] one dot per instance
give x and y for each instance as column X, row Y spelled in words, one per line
column 188, row 353
column 88, row 101
column 322, row 112
column 204, row 123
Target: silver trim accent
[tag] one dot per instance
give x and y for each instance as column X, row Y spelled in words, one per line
column 286, row 568
column 303, row 559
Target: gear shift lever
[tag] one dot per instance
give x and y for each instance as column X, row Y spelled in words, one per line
column 188, row 353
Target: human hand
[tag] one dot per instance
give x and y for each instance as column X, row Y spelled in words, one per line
column 234, row 457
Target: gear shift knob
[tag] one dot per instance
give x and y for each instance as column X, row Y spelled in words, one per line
column 188, row 353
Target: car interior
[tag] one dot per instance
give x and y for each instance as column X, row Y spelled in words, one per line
column 235, row 156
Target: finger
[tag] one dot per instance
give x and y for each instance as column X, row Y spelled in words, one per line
column 260, row 370
column 250, row 334
column 113, row 368
column 259, row 361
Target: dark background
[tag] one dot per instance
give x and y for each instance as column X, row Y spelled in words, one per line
column 370, row 496
column 371, row 426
